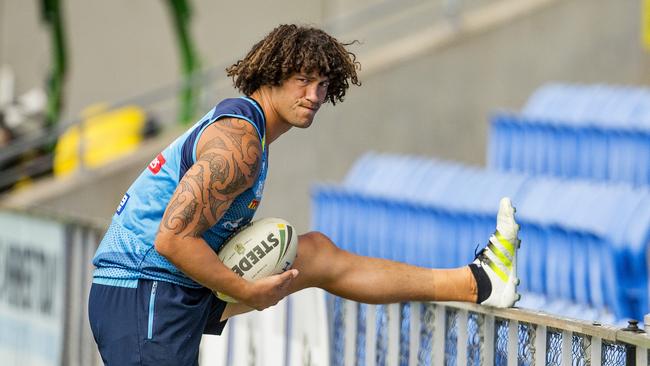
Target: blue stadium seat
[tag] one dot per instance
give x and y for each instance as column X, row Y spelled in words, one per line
column 584, row 242
column 576, row 131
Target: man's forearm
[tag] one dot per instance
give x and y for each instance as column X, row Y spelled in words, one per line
column 195, row 258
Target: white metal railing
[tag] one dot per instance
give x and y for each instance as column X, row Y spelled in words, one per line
column 468, row 334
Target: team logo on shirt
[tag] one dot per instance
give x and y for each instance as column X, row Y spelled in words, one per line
column 232, row 225
column 157, row 163
column 254, row 203
column 259, row 188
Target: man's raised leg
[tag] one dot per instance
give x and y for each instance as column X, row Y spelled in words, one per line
column 489, row 280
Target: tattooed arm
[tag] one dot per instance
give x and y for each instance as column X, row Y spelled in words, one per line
column 229, row 156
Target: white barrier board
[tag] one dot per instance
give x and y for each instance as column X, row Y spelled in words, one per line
column 32, row 277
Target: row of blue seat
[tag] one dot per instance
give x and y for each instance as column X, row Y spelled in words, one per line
column 582, row 241
column 544, row 147
column 599, row 132
column 600, row 105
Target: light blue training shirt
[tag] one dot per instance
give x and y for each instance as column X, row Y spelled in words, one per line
column 127, row 253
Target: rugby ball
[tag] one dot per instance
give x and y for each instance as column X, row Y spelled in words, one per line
column 262, row 248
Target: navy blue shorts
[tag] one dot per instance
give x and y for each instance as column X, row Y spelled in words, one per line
column 152, row 322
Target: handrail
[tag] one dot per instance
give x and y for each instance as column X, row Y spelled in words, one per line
column 442, row 333
column 41, row 164
column 17, row 147
column 593, row 329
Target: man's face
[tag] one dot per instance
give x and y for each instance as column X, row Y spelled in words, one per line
column 299, row 97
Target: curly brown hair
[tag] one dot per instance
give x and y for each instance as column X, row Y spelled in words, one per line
column 289, row 49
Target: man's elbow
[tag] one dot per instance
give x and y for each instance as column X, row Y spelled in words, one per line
column 164, row 244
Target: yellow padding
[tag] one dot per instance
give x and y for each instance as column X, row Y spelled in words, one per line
column 106, row 136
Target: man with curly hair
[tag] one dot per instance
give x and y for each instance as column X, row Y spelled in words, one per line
column 157, row 267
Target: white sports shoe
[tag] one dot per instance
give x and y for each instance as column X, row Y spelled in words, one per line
column 499, row 258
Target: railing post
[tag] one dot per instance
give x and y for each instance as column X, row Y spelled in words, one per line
column 596, row 351
column 371, row 335
column 567, row 349
column 75, row 287
column 461, row 343
column 487, row 349
column 350, row 316
column 641, row 356
column 513, row 342
column 540, row 345
column 392, row 356
column 414, row 333
column 438, row 350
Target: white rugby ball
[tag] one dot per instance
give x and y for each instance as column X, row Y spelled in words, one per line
column 262, row 248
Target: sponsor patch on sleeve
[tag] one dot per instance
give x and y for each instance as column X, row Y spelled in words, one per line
column 157, row 163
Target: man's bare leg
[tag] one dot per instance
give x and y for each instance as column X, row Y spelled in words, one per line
column 378, row 281
column 370, row 280
column 373, row 280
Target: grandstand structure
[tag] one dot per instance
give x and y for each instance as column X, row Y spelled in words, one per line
column 464, row 101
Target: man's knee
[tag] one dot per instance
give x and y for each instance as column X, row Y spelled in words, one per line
column 315, row 243
column 320, row 260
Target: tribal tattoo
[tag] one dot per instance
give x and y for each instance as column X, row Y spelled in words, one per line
column 228, row 164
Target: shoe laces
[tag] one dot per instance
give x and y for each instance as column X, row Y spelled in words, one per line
column 480, row 254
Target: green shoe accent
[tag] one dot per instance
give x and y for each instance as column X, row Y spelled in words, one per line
column 506, row 244
column 498, row 271
column 502, row 257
